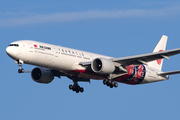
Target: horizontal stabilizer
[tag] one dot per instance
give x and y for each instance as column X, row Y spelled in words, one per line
column 169, row 73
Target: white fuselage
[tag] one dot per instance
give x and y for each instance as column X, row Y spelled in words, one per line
column 67, row 60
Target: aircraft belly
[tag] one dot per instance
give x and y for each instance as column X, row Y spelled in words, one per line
column 86, row 74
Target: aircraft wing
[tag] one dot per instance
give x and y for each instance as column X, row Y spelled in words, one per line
column 144, row 58
column 141, row 59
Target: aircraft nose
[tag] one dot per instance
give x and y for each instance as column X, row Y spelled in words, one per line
column 8, row 50
column 11, row 52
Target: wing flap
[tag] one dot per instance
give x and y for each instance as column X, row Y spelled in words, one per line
column 85, row 63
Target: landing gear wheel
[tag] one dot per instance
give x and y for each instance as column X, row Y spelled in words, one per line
column 115, row 85
column 70, row 87
column 104, row 82
column 20, row 70
column 109, row 81
column 81, row 89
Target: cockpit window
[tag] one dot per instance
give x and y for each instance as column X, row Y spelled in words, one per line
column 14, row 45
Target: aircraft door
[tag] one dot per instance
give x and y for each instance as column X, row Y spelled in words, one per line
column 30, row 46
column 55, row 58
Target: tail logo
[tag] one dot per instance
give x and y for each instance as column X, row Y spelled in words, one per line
column 159, row 61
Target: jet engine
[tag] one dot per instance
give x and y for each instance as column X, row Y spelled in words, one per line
column 42, row 75
column 102, row 66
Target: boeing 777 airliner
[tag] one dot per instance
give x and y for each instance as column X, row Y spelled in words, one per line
column 79, row 65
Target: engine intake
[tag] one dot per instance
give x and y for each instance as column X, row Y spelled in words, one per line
column 42, row 75
column 102, row 66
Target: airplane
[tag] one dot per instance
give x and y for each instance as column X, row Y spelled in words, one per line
column 80, row 66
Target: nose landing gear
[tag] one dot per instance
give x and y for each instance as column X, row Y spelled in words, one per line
column 21, row 70
column 19, row 62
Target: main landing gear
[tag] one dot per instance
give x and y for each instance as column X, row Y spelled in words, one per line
column 75, row 87
column 20, row 70
column 110, row 83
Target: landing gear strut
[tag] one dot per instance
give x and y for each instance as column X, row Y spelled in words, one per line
column 75, row 87
column 110, row 83
column 20, row 70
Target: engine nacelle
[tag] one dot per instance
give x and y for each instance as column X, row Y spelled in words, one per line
column 42, row 75
column 102, row 66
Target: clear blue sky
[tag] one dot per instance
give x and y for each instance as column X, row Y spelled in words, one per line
column 114, row 28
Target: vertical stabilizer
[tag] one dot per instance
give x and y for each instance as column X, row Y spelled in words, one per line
column 161, row 46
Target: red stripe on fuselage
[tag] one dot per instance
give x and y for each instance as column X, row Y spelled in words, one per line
column 86, row 74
